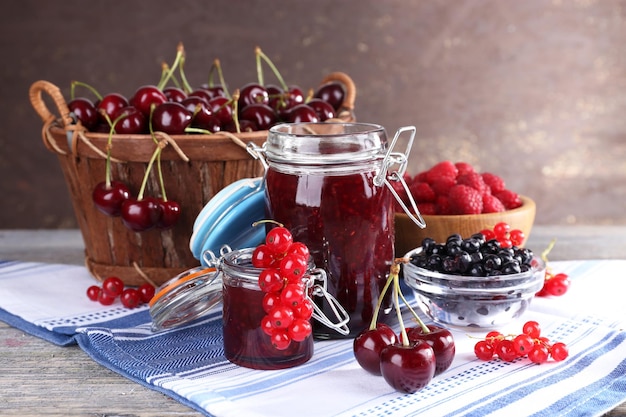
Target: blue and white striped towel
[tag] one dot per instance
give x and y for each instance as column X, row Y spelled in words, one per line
column 188, row 363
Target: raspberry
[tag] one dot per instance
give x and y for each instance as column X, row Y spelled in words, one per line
column 442, row 205
column 445, row 169
column 441, row 186
column 421, row 177
column 427, row 208
column 465, row 200
column 493, row 181
column 464, row 168
column 491, row 204
column 474, row 180
column 422, row 192
column 509, row 199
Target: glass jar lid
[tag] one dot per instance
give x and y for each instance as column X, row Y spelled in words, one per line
column 325, row 143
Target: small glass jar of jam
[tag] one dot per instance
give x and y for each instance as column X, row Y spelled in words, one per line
column 328, row 184
column 245, row 342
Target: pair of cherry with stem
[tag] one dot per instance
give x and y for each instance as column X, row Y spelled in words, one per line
column 410, row 361
column 141, row 213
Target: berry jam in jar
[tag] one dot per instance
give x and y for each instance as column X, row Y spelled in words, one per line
column 320, row 184
column 245, row 342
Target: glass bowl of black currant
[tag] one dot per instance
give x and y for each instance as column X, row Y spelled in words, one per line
column 473, row 282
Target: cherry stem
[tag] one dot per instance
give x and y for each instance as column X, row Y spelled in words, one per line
column 380, row 303
column 220, row 75
column 161, row 182
column 544, row 254
column 186, row 86
column 155, row 154
column 180, row 51
column 261, row 55
column 234, row 102
column 87, row 86
column 258, row 222
column 395, row 270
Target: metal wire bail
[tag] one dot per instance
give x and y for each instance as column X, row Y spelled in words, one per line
column 401, row 160
column 342, row 316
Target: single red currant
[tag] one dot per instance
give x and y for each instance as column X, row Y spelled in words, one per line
column 271, row 300
column 517, row 237
column 501, row 230
column 304, row 310
column 281, row 317
column 105, row 299
column 280, row 339
column 279, row 239
column 270, row 280
column 293, row 267
column 532, row 329
column 93, row 292
column 266, row 325
column 483, row 350
column 299, row 330
column 113, row 286
column 559, row 351
column 506, row 350
column 293, row 295
column 301, row 249
column 263, row 256
column 130, row 298
column 523, row 343
column 539, row 354
column 146, row 292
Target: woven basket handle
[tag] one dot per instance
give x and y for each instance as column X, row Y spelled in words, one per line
column 343, row 78
column 36, row 100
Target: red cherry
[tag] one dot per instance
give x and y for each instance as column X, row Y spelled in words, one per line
column 202, row 93
column 333, row 93
column 442, row 342
column 408, row 368
column 141, row 215
column 322, row 108
column 261, row 114
column 252, row 93
column 131, row 122
column 202, row 117
column 170, row 213
column 221, row 108
column 171, row 118
column 368, row 344
column 85, row 111
column 111, row 104
column 109, row 199
column 302, row 113
column 145, row 97
column 174, row 94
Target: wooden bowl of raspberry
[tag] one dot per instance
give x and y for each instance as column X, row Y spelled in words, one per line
column 455, row 198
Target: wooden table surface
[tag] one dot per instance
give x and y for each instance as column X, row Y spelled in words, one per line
column 70, row 383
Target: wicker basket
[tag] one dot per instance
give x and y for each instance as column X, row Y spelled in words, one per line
column 195, row 168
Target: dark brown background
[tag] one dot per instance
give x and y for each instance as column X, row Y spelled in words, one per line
column 533, row 90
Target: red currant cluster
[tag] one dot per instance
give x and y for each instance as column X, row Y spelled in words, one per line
column 504, row 235
column 138, row 214
column 554, row 284
column 529, row 343
column 289, row 310
column 113, row 287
